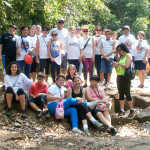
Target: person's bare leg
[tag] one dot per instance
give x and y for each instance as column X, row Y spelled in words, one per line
column 142, row 76
column 130, row 103
column 101, row 76
column 46, row 78
column 107, row 115
column 63, row 70
column 34, row 76
column 22, row 101
column 34, row 106
column 9, row 99
column 108, row 77
column 89, row 115
column 122, row 102
column 139, row 74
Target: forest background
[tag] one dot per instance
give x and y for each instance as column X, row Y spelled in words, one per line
column 112, row 14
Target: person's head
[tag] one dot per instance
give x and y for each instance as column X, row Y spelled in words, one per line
column 78, row 30
column 72, row 31
column 141, row 35
column 13, row 68
column 98, row 30
column 38, row 29
column 114, row 35
column 24, row 30
column 85, row 31
column 60, row 23
column 104, row 30
column 122, row 48
column 126, row 30
column 60, row 80
column 13, row 29
column 40, row 77
column 45, row 30
column 108, row 34
column 76, row 81
column 94, row 79
column 72, row 70
column 54, row 35
column 32, row 30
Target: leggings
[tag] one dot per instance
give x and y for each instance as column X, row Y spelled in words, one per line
column 98, row 64
column 54, row 66
column 123, row 85
column 69, row 111
column 88, row 65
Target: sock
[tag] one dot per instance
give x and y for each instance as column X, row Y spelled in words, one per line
column 122, row 110
column 85, row 127
column 39, row 109
column 92, row 119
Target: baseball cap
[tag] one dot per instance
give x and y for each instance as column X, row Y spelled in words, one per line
column 61, row 19
column 78, row 28
column 28, row 59
column 85, row 29
column 95, row 77
column 126, row 27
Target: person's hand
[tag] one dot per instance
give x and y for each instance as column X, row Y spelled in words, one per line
column 93, row 59
column 80, row 100
column 37, row 95
column 52, row 59
column 115, row 64
column 60, row 98
column 107, row 58
column 30, row 51
column 17, row 98
column 18, row 53
column 83, row 58
column 144, row 61
column 80, row 59
column 0, row 57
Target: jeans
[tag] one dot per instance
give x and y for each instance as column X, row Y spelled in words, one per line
column 69, row 111
column 98, row 64
column 27, row 67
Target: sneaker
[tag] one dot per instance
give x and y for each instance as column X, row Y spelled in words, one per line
column 131, row 114
column 87, row 132
column 92, row 104
column 85, row 85
column 47, row 114
column 3, row 88
column 108, row 86
column 8, row 113
column 24, row 115
column 113, row 131
column 121, row 113
column 39, row 114
column 76, row 130
column 98, row 125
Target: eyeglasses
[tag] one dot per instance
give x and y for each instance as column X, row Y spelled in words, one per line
column 98, row 30
column 14, row 28
column 54, row 34
column 61, row 22
column 118, row 50
column 86, row 31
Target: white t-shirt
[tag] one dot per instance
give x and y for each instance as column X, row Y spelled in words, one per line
column 107, row 47
column 20, row 46
column 33, row 40
column 140, row 49
column 129, row 41
column 97, row 41
column 43, row 52
column 62, row 36
column 88, row 51
column 73, row 47
column 55, row 90
column 17, row 82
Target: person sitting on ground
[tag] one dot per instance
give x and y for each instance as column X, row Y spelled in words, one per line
column 76, row 91
column 93, row 93
column 38, row 93
column 70, row 74
column 56, row 94
column 15, row 83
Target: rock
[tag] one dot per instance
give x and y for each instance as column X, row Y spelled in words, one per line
column 17, row 125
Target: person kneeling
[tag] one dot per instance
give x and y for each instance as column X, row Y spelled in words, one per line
column 38, row 93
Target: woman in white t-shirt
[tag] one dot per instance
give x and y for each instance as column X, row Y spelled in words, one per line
column 141, row 51
column 15, row 84
column 88, row 53
column 54, row 51
column 23, row 45
column 98, row 37
column 74, row 49
column 42, row 51
column 33, row 39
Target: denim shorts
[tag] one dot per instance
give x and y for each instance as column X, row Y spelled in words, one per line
column 139, row 65
column 38, row 100
column 106, row 66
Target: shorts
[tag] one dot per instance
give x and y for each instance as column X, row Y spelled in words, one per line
column 64, row 61
column 75, row 62
column 106, row 66
column 33, row 66
column 139, row 65
column 45, row 64
column 38, row 100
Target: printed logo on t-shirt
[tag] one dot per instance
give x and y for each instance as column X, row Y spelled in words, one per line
column 73, row 43
column 25, row 46
column 139, row 48
column 128, row 43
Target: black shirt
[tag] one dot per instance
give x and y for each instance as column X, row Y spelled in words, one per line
column 77, row 95
column 9, row 44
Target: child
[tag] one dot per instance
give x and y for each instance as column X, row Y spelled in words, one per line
column 107, row 49
column 71, row 72
column 38, row 92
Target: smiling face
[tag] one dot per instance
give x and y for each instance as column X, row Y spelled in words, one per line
column 14, row 69
column 32, row 31
column 60, row 81
column 72, row 32
column 60, row 24
column 25, row 31
column 13, row 30
column 140, row 36
column 126, row 31
column 94, row 82
column 77, row 82
column 54, row 35
column 108, row 35
column 72, row 70
column 98, row 31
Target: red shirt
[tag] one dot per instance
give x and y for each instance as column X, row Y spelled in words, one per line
column 36, row 88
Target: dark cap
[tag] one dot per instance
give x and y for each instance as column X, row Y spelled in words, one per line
column 126, row 27
column 95, row 77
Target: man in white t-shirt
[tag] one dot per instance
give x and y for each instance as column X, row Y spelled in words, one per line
column 62, row 36
column 128, row 39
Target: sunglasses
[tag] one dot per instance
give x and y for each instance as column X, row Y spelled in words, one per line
column 94, row 79
column 86, row 31
column 61, row 22
column 119, row 50
column 14, row 28
column 54, row 34
column 98, row 30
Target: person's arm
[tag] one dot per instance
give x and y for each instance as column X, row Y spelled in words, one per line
column 1, row 45
column 50, row 97
column 93, row 45
column 83, row 95
column 37, row 50
column 144, row 60
column 88, row 95
column 101, row 50
column 69, row 92
column 49, row 50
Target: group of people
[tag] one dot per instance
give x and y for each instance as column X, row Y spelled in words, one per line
column 53, row 50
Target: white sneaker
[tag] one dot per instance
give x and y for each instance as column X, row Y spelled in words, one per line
column 76, row 130
column 108, row 86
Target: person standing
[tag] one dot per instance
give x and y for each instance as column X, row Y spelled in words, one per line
column 62, row 36
column 8, row 42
